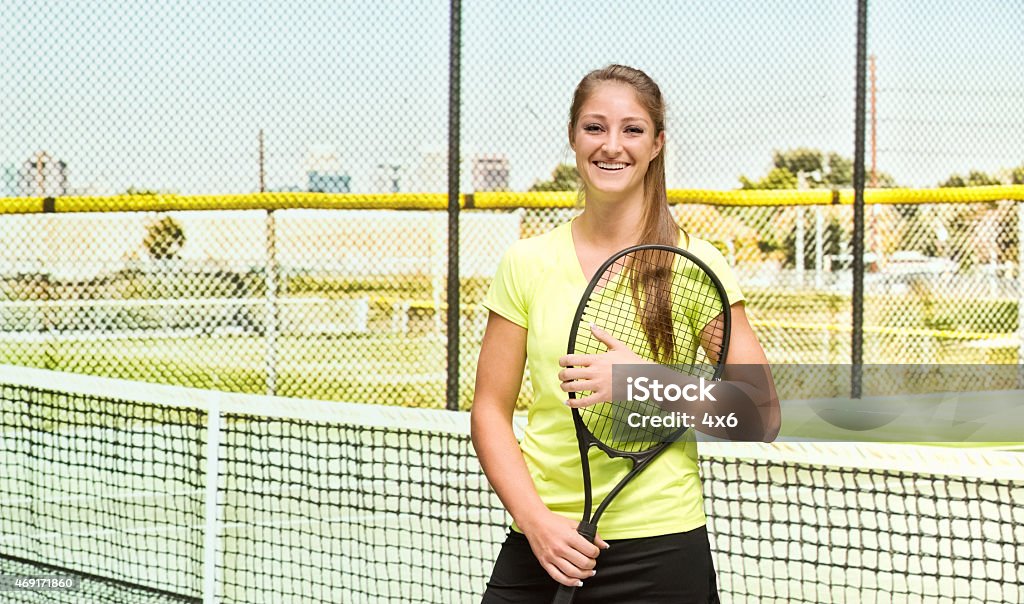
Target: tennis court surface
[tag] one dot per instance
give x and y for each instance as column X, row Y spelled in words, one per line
column 153, row 493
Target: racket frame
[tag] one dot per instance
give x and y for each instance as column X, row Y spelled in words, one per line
column 586, row 439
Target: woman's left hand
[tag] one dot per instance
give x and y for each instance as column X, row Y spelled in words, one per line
column 593, row 372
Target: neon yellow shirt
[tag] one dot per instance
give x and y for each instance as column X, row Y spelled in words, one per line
column 538, row 285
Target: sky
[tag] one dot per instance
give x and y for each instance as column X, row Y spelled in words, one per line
column 172, row 95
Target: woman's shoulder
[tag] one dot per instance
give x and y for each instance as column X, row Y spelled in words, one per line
column 702, row 248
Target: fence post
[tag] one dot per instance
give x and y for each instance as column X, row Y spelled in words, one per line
column 857, row 336
column 454, row 160
column 800, row 246
column 1020, row 294
column 270, row 322
column 819, row 247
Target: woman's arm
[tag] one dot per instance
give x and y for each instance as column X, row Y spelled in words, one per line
column 563, row 553
column 747, row 373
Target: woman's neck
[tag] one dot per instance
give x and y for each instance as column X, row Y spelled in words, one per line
column 610, row 226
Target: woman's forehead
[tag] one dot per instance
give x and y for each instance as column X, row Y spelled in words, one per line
column 614, row 100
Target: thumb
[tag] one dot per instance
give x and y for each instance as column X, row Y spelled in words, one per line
column 605, row 338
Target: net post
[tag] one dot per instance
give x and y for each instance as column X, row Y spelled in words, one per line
column 454, row 160
column 857, row 335
column 211, row 524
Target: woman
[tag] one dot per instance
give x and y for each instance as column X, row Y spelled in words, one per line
column 653, row 546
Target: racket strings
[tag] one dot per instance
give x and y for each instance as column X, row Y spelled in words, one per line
column 664, row 308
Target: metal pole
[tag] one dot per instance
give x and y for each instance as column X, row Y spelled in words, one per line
column 271, row 321
column 819, row 247
column 454, row 159
column 211, row 524
column 801, row 184
column 1020, row 294
column 800, row 247
column 874, row 125
column 263, row 171
column 857, row 339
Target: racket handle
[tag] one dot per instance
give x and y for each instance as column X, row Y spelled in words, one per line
column 588, row 530
column 566, row 593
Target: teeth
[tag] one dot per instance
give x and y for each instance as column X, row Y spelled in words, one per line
column 608, row 166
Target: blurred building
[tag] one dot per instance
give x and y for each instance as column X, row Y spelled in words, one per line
column 387, row 178
column 42, row 176
column 431, row 173
column 324, row 173
column 327, row 182
column 490, row 172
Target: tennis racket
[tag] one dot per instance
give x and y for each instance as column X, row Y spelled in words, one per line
column 668, row 307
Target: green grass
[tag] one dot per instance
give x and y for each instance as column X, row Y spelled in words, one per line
column 383, row 369
column 409, row 368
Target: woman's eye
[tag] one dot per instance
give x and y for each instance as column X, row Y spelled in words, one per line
column 634, row 130
column 592, row 128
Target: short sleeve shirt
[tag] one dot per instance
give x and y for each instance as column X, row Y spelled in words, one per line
column 538, row 285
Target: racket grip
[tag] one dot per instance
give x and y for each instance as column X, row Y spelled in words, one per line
column 588, row 530
column 566, row 593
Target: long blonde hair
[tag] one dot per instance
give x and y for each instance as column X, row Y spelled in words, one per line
column 657, row 224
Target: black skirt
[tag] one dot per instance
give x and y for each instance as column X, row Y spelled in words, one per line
column 668, row 568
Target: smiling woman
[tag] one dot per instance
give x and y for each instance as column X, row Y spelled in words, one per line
column 615, row 142
column 655, row 528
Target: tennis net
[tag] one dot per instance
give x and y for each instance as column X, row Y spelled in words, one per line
column 153, row 493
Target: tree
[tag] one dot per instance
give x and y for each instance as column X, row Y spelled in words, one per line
column 1017, row 175
column 164, row 238
column 954, row 181
column 840, row 172
column 133, row 190
column 564, row 177
column 975, row 178
column 817, row 169
column 777, row 178
column 809, row 162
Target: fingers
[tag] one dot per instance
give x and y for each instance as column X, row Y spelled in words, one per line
column 580, row 384
column 555, row 573
column 566, row 555
column 577, row 380
column 605, row 338
column 576, row 563
column 576, row 360
column 586, row 401
column 567, row 574
column 586, row 549
column 574, row 373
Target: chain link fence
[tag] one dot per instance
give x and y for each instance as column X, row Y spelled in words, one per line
column 350, row 304
column 253, row 198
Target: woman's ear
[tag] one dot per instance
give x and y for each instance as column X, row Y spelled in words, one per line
column 572, row 138
column 659, row 144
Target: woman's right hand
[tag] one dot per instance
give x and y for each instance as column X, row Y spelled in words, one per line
column 565, row 554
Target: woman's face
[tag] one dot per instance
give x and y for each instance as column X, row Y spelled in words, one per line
column 614, row 142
